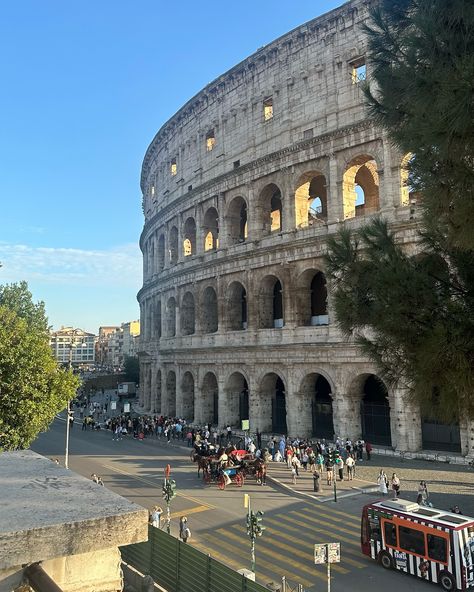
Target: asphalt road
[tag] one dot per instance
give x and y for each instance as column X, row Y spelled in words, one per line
column 135, row 469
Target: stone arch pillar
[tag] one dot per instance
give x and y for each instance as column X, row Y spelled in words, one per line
column 346, row 413
column 405, row 422
column 288, row 205
column 223, row 231
column 334, row 192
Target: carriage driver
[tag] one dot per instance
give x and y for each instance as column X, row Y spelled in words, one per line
column 224, row 463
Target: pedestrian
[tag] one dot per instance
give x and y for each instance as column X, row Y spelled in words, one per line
column 422, row 498
column 184, row 532
column 340, row 468
column 155, row 517
column 350, row 462
column 382, row 482
column 368, row 449
column 294, row 474
column 395, row 483
column 295, row 462
column 259, row 440
column 329, row 469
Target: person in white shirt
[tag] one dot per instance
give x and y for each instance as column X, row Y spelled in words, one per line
column 350, row 464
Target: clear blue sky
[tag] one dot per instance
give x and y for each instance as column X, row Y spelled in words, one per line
column 85, row 87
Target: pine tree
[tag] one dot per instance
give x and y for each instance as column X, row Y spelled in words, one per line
column 414, row 316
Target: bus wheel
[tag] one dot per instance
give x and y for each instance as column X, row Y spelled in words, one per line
column 385, row 560
column 446, row 581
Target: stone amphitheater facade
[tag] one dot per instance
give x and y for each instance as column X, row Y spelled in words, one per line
column 241, row 189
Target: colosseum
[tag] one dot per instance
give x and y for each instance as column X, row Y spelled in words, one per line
column 241, row 189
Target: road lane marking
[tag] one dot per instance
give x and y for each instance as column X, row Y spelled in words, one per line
column 154, row 484
column 270, row 566
column 291, row 548
column 326, row 531
column 353, row 562
column 313, row 510
column 194, row 510
column 289, row 559
column 319, row 520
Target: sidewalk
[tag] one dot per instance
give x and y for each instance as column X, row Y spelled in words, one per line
column 279, row 473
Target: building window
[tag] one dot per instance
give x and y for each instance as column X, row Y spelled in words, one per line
column 173, row 167
column 210, row 141
column 236, row 164
column 359, row 71
column 268, row 109
column 308, row 134
column 152, row 190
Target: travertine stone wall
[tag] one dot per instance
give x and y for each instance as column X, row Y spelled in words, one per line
column 234, row 237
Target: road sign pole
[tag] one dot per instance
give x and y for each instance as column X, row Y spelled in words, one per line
column 329, row 577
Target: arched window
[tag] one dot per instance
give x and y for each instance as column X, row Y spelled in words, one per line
column 319, row 300
column 237, row 220
column 360, row 187
column 211, row 230
column 161, row 252
column 209, row 320
column 173, row 245
column 171, row 318
column 311, row 200
column 277, row 305
column 271, row 209
column 188, row 314
column 189, row 237
column 271, row 303
column 237, row 307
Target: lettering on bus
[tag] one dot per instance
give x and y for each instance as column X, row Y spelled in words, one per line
column 401, row 559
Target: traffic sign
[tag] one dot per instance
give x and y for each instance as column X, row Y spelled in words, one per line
column 327, row 553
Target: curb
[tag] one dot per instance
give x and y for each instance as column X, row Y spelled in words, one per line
column 356, row 491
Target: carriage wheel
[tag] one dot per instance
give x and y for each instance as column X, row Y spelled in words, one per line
column 239, row 480
column 206, row 477
column 221, row 482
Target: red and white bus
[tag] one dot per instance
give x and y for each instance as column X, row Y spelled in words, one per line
column 432, row 544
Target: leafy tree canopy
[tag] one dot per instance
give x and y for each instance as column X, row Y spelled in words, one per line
column 33, row 389
column 414, row 315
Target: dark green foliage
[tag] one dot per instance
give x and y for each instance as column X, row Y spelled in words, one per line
column 421, row 56
column 414, row 315
column 33, row 389
column 132, row 369
column 411, row 315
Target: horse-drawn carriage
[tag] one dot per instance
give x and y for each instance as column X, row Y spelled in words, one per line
column 240, row 465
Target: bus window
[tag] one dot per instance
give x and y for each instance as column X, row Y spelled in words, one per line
column 437, row 548
column 390, row 532
column 412, row 540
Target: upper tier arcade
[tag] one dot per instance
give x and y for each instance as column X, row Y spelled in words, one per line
column 299, row 88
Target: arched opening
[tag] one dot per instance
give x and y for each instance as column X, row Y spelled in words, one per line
column 321, row 408
column 437, row 435
column 158, row 319
column 271, row 303
column 311, row 200
column 237, row 399
column 237, row 220
column 279, row 408
column 375, row 412
column 211, row 230
column 161, row 252
column 319, row 300
column 156, row 403
column 237, row 307
column 277, row 305
column 189, row 237
column 187, row 392
column 360, row 191
column 170, row 408
column 188, row 314
column 171, row 317
column 271, row 209
column 209, row 320
column 173, row 245
column 408, row 195
column 270, row 414
column 210, row 399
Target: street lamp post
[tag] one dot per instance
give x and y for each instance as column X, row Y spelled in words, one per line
column 68, row 413
column 68, row 407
